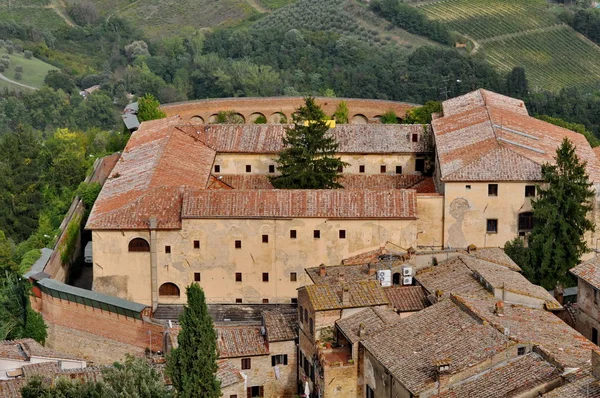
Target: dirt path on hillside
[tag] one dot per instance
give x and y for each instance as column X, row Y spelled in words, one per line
column 257, row 6
column 58, row 6
column 6, row 79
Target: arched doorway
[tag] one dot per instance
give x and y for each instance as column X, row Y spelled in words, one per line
column 168, row 289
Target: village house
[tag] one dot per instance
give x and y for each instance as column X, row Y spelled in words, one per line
column 193, row 203
column 587, row 315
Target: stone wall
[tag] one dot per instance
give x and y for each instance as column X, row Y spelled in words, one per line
column 588, row 311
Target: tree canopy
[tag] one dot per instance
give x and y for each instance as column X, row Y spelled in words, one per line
column 148, row 109
column 308, row 159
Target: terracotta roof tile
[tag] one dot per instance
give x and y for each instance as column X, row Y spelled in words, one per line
column 589, row 271
column 495, row 255
column 451, row 276
column 24, row 349
column 406, row 298
column 509, row 379
column 336, row 203
column 373, row 319
column 240, row 341
column 268, row 138
column 12, row 388
column 228, row 374
column 409, row 347
column 281, row 324
column 361, row 294
column 581, row 384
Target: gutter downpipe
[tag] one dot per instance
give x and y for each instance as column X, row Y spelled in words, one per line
column 153, row 264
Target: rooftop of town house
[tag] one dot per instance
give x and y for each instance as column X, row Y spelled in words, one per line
column 349, row 181
column 225, row 314
column 588, row 271
column 371, row 319
column 25, row 349
column 406, row 298
column 281, row 325
column 508, row 379
column 300, row 203
column 227, row 373
column 351, row 138
column 409, row 347
column 534, row 326
column 465, row 274
column 359, row 294
column 484, row 136
column 240, row 341
column 579, row 384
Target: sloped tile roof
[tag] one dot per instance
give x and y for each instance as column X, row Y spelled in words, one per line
column 589, row 271
column 228, row 374
column 537, row 327
column 406, row 298
column 451, row 276
column 361, row 294
column 509, row 379
column 335, row 203
column 495, row 255
column 479, row 129
column 268, row 138
column 24, row 349
column 281, row 324
column 373, row 320
column 409, row 347
column 581, row 384
column 240, row 341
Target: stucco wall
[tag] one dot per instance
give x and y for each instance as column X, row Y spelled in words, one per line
column 467, row 210
column 127, row 275
column 234, row 163
column 588, row 313
column 430, row 225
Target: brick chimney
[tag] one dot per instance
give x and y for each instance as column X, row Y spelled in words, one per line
column 442, row 367
column 362, row 332
column 372, row 269
column 499, row 308
column 322, row 270
column 559, row 293
column 345, row 296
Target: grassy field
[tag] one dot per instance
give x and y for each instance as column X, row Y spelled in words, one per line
column 275, row 4
column 34, row 70
column 42, row 18
column 523, row 33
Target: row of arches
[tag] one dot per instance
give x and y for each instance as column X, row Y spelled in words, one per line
column 275, row 118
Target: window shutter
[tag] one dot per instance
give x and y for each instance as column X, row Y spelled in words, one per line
column 285, row 359
column 261, row 391
column 273, row 361
column 249, row 391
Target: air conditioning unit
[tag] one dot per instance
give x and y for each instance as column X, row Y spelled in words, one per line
column 407, row 280
column 407, row 271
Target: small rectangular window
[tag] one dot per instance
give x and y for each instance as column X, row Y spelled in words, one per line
column 196, row 244
column 217, row 168
column 342, row 234
column 167, row 249
column 271, row 168
column 265, row 238
column 294, row 301
column 248, row 168
column 233, row 396
column 382, row 168
column 492, row 226
column 468, row 187
column 415, row 138
column 238, row 301
column 246, row 363
column 196, row 276
column 340, row 169
column 265, row 276
column 398, row 169
column 279, row 360
column 238, row 276
column 492, row 189
column 420, row 165
column 521, row 351
column 361, row 168
column 293, row 277
column 317, row 234
column 530, row 191
column 238, row 244
column 293, row 234
column 265, row 301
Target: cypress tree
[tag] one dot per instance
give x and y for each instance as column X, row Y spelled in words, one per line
column 308, row 160
column 560, row 218
column 192, row 366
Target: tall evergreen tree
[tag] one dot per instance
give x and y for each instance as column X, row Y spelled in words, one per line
column 308, row 160
column 560, row 218
column 192, row 366
column 516, row 83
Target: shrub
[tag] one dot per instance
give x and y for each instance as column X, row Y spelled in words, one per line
column 19, row 68
column 18, row 76
column 2, row 43
column 18, row 48
column 1, row 68
column 10, row 49
column 28, row 54
column 5, row 62
column 260, row 120
column 5, row 56
column 389, row 117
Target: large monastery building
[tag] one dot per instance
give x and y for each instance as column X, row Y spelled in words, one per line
column 193, row 203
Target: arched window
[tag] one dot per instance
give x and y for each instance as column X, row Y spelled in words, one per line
column 168, row 289
column 139, row 245
column 525, row 222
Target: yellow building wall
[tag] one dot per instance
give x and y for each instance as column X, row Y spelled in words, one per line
column 127, row 275
column 430, row 225
column 467, row 210
column 231, row 163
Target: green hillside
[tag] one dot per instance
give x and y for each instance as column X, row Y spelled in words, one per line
column 34, row 71
column 523, row 33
